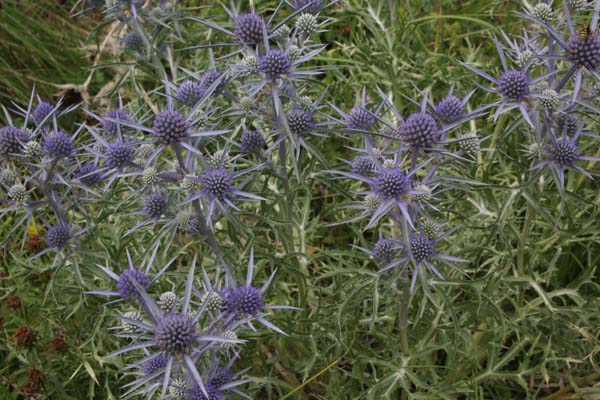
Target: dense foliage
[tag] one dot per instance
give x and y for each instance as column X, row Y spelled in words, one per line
column 300, row 199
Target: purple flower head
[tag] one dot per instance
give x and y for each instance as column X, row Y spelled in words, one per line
column 58, row 236
column 175, row 334
column 208, row 78
column 384, row 250
column 568, row 124
column 391, row 183
column 249, row 28
column 450, row 108
column 420, row 131
column 514, row 85
column 41, row 111
column 299, row 121
column 170, row 127
column 118, row 154
column 155, row 364
column 220, row 377
column 12, row 140
column 421, row 247
column 584, row 52
column 563, row 152
column 314, row 6
column 274, row 64
column 363, row 165
column 155, row 205
column 189, row 92
column 243, row 301
column 88, row 174
column 252, row 142
column 197, row 393
column 113, row 127
column 125, row 286
column 59, row 145
column 133, row 41
column 217, row 183
column 359, row 118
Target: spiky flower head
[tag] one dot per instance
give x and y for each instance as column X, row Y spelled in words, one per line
column 514, row 85
column 243, row 301
column 12, row 140
column 420, row 131
column 184, row 219
column 563, row 152
column 177, row 389
column 175, row 334
column 384, row 250
column 125, row 283
column 430, row 228
column 211, row 76
column 144, row 151
column 189, row 184
column 423, row 194
column 372, row 201
column 213, row 301
column 550, row 99
column 33, row 148
column 359, row 118
column 218, row 158
column 469, row 144
column 307, row 24
column 231, row 335
column 525, row 57
column 118, row 154
column 133, row 41
column 246, row 103
column 274, row 63
column 89, row 175
column 198, row 394
column 299, row 121
column 389, row 163
column 248, row 65
column 155, row 205
column 391, row 183
column 155, row 364
column 220, row 377
column 58, row 236
column 41, row 111
column 421, row 247
column 170, row 127
column 294, row 53
column 8, row 176
column 127, row 326
column 312, row 6
column 568, row 124
column 217, row 183
column 579, row 5
column 150, row 176
column 249, row 28
column 363, row 165
column 18, row 193
column 543, row 12
column 283, row 31
column 189, row 92
column 450, row 108
column 58, row 145
column 110, row 124
column 584, row 51
column 305, row 103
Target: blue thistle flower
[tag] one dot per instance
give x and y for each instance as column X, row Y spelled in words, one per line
column 59, row 145
column 89, row 174
column 363, row 165
column 112, row 123
column 252, row 142
column 391, row 183
column 450, row 108
column 133, row 41
column 420, row 131
column 118, row 154
column 249, row 28
column 514, row 85
column 359, row 118
column 155, row 205
column 274, row 64
column 12, row 140
column 299, row 121
column 568, row 124
column 309, row 6
column 385, row 249
column 170, row 127
column 155, row 365
column 217, row 183
column 58, row 236
column 125, row 283
column 189, row 92
column 41, row 112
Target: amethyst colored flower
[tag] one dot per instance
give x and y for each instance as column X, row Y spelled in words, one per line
column 89, row 174
column 252, row 142
column 309, row 6
column 12, row 140
column 421, row 251
column 155, row 205
column 112, row 123
column 59, row 145
column 420, row 131
column 170, row 127
column 274, row 64
column 41, row 112
column 189, row 92
column 58, row 236
column 246, row 302
column 176, row 336
column 249, row 28
column 562, row 153
column 134, row 41
column 118, row 154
